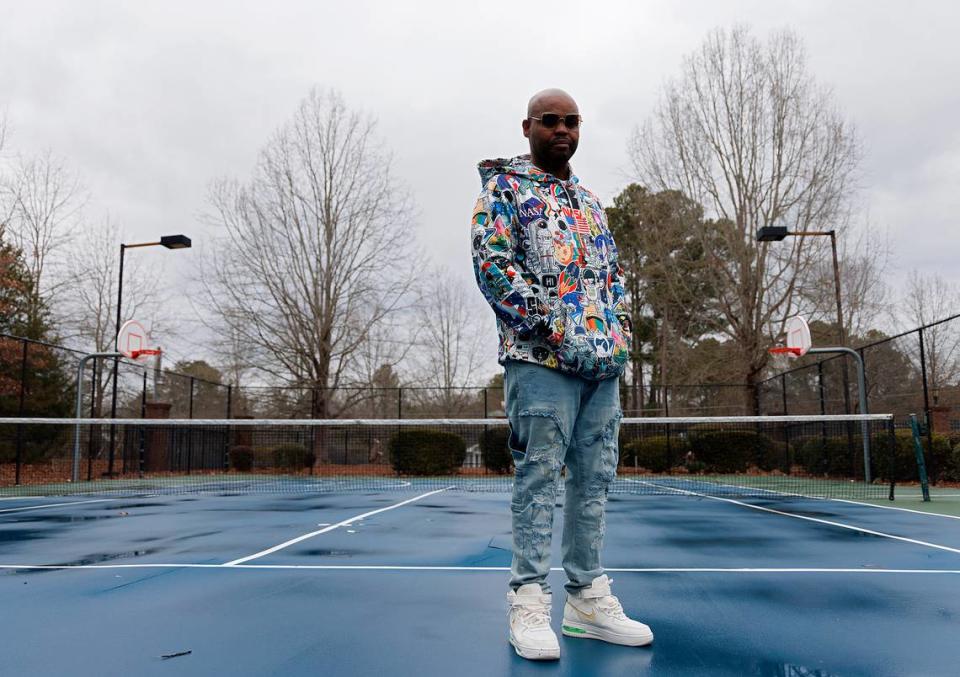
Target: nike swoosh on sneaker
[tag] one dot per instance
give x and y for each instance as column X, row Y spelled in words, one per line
column 589, row 617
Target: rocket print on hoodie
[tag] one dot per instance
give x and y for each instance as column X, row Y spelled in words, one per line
column 547, row 264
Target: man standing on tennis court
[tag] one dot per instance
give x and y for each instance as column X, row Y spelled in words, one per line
column 547, row 264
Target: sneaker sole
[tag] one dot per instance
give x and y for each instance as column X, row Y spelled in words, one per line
column 584, row 631
column 534, row 654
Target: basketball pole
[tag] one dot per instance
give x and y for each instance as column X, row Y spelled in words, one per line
column 862, row 392
column 75, row 475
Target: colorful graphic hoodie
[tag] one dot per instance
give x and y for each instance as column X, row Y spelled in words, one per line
column 547, row 264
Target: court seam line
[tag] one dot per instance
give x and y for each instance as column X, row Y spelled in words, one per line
column 390, row 567
column 346, row 522
column 55, row 505
column 842, row 525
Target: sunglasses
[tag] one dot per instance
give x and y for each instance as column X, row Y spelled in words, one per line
column 551, row 120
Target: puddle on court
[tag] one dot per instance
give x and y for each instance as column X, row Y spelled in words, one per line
column 91, row 559
column 790, row 670
column 128, row 506
column 65, row 518
column 325, row 552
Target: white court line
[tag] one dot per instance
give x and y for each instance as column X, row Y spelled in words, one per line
column 842, row 525
column 344, row 523
column 842, row 500
column 55, row 505
column 893, row 507
column 479, row 569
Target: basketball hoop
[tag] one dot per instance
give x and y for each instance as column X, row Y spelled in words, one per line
column 136, row 354
column 134, row 342
column 785, row 350
column 798, row 339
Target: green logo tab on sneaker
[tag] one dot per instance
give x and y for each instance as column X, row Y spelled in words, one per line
column 576, row 630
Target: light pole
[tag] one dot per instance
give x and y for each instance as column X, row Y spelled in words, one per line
column 778, row 233
column 170, row 242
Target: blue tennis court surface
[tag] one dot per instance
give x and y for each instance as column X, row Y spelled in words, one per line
column 413, row 582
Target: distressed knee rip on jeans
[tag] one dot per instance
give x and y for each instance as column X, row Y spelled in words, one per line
column 537, row 462
column 600, row 482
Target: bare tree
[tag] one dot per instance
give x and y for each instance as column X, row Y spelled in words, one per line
column 451, row 346
column 746, row 132
column 314, row 248
column 86, row 306
column 865, row 259
column 45, row 198
column 929, row 299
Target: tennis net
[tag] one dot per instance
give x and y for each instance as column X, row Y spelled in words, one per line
column 858, row 456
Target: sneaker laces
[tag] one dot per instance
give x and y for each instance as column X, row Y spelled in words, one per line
column 532, row 615
column 612, row 607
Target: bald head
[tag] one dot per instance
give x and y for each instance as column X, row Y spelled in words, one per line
column 551, row 99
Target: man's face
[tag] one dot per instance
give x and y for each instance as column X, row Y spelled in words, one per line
column 554, row 146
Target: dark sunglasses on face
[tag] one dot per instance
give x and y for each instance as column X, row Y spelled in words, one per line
column 551, row 120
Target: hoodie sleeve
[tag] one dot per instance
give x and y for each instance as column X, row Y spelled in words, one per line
column 616, row 287
column 496, row 270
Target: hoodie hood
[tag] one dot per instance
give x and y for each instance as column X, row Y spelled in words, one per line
column 521, row 166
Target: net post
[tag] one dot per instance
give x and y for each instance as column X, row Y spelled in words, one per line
column 921, row 464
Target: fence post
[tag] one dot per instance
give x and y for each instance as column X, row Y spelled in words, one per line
column 94, row 430
column 142, row 452
column 783, row 391
column 823, row 401
column 485, row 415
column 20, row 411
column 400, row 402
column 229, row 400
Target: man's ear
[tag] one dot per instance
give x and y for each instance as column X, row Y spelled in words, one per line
column 526, row 128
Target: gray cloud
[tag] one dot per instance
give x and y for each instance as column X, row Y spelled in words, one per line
column 150, row 102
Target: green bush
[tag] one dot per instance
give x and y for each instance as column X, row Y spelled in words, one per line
column 831, row 456
column 840, row 456
column 494, row 450
column 292, row 457
column 656, row 454
column 951, row 473
column 427, row 452
column 729, row 451
column 241, row 458
column 939, row 460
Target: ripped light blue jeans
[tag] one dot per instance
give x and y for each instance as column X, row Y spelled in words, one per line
column 556, row 420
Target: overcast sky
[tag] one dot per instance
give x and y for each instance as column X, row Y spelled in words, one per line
column 151, row 101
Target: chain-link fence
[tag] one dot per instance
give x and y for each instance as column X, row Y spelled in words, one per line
column 913, row 372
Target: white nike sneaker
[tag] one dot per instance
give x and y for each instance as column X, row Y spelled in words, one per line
column 530, row 631
column 596, row 614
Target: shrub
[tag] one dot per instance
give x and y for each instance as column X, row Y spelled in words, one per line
column 656, row 454
column 727, row 451
column 830, row 456
column 427, row 452
column 292, row 457
column 241, row 458
column 939, row 459
column 494, row 450
column 952, row 472
column 840, row 456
